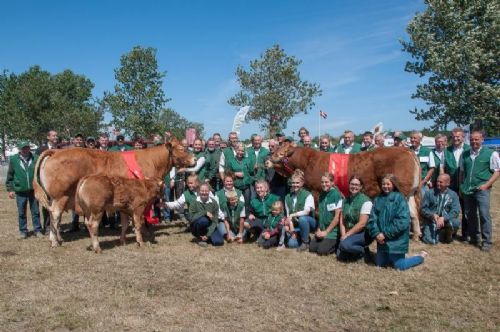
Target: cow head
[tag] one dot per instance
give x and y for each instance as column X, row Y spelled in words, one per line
column 280, row 157
column 180, row 158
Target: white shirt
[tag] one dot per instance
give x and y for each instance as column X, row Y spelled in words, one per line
column 366, row 208
column 220, row 214
column 429, row 160
column 222, row 160
column 457, row 152
column 308, row 206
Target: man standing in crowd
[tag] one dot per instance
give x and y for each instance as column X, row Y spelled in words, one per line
column 440, row 142
column 280, row 138
column 212, row 156
column 452, row 156
column 348, row 146
column 90, row 143
column 307, row 142
column 52, row 143
column 78, row 141
column 379, row 141
column 440, row 209
column 426, row 158
column 256, row 158
column 228, row 153
column 217, row 139
column 19, row 186
column 399, row 139
column 479, row 169
column 120, row 144
column 367, row 144
column 75, row 218
column 103, row 142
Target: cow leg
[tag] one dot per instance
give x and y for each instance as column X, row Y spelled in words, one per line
column 93, row 227
column 56, row 210
column 415, row 222
column 138, row 224
column 124, row 222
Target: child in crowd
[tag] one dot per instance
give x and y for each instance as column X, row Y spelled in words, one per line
column 272, row 226
column 234, row 217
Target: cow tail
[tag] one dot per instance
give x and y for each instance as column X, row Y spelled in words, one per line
column 78, row 205
column 40, row 192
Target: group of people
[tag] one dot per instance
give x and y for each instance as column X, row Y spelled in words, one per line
column 230, row 196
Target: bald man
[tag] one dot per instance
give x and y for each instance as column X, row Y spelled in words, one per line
column 440, row 209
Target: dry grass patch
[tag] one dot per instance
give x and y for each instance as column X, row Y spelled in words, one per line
column 175, row 285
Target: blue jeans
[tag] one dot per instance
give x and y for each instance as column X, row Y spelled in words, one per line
column 478, row 200
column 398, row 261
column 22, row 200
column 75, row 219
column 352, row 246
column 166, row 198
column 200, row 228
column 432, row 235
column 306, row 225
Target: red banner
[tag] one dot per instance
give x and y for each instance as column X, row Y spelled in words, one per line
column 338, row 166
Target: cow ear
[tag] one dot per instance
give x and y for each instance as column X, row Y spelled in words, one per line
column 169, row 145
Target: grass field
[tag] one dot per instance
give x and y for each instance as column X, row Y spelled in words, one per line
column 174, row 285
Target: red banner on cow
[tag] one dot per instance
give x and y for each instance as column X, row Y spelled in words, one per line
column 338, row 166
column 134, row 172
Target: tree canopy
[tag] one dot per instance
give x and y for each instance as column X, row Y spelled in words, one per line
column 454, row 46
column 274, row 89
column 36, row 101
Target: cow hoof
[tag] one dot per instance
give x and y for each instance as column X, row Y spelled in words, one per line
column 140, row 244
column 55, row 244
column 122, row 242
column 98, row 250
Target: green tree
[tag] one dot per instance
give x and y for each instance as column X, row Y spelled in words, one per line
column 176, row 124
column 138, row 99
column 35, row 102
column 274, row 90
column 454, row 45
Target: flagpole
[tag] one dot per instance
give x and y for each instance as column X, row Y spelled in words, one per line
column 319, row 127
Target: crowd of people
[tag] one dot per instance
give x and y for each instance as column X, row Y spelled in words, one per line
column 229, row 196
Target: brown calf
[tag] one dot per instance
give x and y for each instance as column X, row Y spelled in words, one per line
column 98, row 194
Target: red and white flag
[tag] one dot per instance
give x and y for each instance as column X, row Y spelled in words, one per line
column 323, row 114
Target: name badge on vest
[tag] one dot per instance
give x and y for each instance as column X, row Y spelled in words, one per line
column 424, row 159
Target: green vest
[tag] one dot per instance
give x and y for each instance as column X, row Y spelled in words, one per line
column 272, row 221
column 299, row 204
column 199, row 209
column 19, row 178
column 253, row 160
column 423, row 156
column 356, row 147
column 190, row 196
column 476, row 172
column 261, row 208
column 201, row 171
column 236, row 165
column 126, row 147
column 221, row 196
column 437, row 162
column 351, row 208
column 212, row 163
column 325, row 217
column 451, row 167
column 228, row 156
column 232, row 214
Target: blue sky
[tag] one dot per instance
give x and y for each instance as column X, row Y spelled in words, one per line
column 350, row 48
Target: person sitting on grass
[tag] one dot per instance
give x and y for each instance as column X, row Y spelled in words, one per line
column 325, row 239
column 389, row 225
column 205, row 214
column 440, row 209
column 356, row 209
column 272, row 227
column 234, row 217
column 299, row 205
column 260, row 208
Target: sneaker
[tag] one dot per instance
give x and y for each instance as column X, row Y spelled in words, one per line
column 486, row 247
column 303, row 247
column 39, row 235
column 202, row 244
column 22, row 236
column 281, row 247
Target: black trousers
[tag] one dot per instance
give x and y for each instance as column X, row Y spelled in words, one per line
column 323, row 246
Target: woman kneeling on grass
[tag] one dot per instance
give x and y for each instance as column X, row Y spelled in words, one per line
column 356, row 209
column 260, row 209
column 389, row 224
column 204, row 212
column 325, row 239
column 299, row 204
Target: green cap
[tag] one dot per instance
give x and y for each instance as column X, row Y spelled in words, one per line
column 280, row 133
column 90, row 138
column 289, row 138
column 22, row 144
column 400, row 136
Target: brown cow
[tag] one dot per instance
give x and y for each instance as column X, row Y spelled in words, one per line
column 98, row 194
column 57, row 173
column 370, row 166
